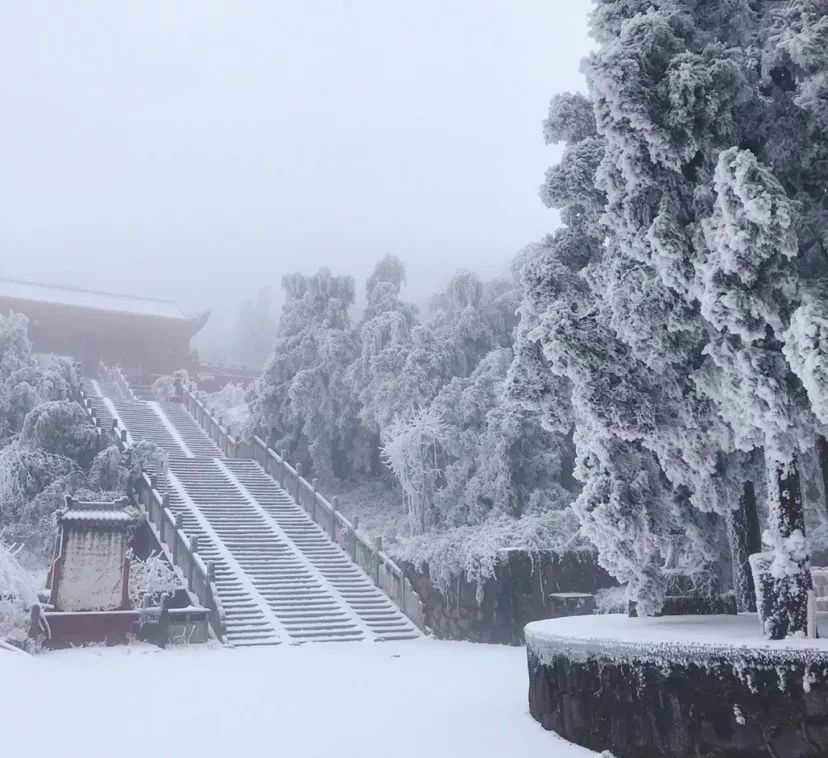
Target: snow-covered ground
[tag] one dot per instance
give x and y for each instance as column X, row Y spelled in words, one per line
column 372, row 700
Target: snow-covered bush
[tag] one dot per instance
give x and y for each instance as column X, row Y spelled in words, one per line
column 62, row 428
column 473, row 551
column 168, row 387
column 151, row 576
column 230, row 403
column 18, row 593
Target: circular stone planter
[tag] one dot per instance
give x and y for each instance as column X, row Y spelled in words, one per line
column 694, row 686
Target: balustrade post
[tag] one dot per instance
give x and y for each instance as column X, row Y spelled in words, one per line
column 211, row 571
column 284, row 462
column 124, row 436
column 335, row 508
column 314, row 483
column 194, row 544
column 154, row 481
column 378, row 542
column 298, row 479
column 354, row 539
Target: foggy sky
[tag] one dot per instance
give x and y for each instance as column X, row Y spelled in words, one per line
column 198, row 150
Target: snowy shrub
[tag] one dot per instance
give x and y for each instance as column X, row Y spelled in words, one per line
column 168, row 387
column 144, row 456
column 230, row 403
column 108, row 471
column 151, row 576
column 18, row 594
column 473, row 551
column 60, row 427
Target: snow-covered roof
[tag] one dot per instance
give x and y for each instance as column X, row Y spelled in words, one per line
column 73, row 297
column 97, row 517
column 120, row 512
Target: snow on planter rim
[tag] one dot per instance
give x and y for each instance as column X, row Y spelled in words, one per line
column 670, row 639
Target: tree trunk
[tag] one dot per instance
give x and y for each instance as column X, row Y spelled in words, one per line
column 743, row 536
column 822, row 449
column 786, row 584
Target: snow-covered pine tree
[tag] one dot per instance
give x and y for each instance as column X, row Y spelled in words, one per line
column 713, row 171
column 302, row 402
column 377, row 377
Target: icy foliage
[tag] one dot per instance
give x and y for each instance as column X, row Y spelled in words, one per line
column 18, row 594
column 497, row 459
column 169, row 387
column 682, row 301
column 806, row 349
column 746, row 284
column 378, row 376
column 409, row 449
column 151, row 576
column 60, row 427
column 302, row 402
column 230, row 403
column 48, row 445
column 474, row 551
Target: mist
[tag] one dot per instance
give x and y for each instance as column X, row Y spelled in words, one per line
column 200, row 150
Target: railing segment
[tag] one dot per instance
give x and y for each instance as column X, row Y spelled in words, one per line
column 379, row 567
column 180, row 550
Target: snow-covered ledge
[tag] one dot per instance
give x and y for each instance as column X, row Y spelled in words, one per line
column 679, row 686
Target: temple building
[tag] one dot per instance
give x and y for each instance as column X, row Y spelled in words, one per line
column 145, row 336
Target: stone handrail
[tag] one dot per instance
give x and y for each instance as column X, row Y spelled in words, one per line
column 181, row 550
column 382, row 570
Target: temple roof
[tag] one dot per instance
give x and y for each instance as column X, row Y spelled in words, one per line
column 104, row 302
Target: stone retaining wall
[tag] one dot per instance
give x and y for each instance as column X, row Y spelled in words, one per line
column 749, row 705
column 521, row 591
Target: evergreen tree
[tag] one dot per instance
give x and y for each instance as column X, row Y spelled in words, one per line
column 302, row 402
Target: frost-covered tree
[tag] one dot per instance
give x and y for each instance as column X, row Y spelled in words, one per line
column 377, row 375
column 714, row 218
column 410, row 449
column 302, row 401
column 497, row 458
column 60, row 427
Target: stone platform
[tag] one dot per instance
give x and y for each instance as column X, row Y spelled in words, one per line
column 679, row 686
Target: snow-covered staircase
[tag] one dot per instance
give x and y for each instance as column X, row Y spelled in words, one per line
column 277, row 573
